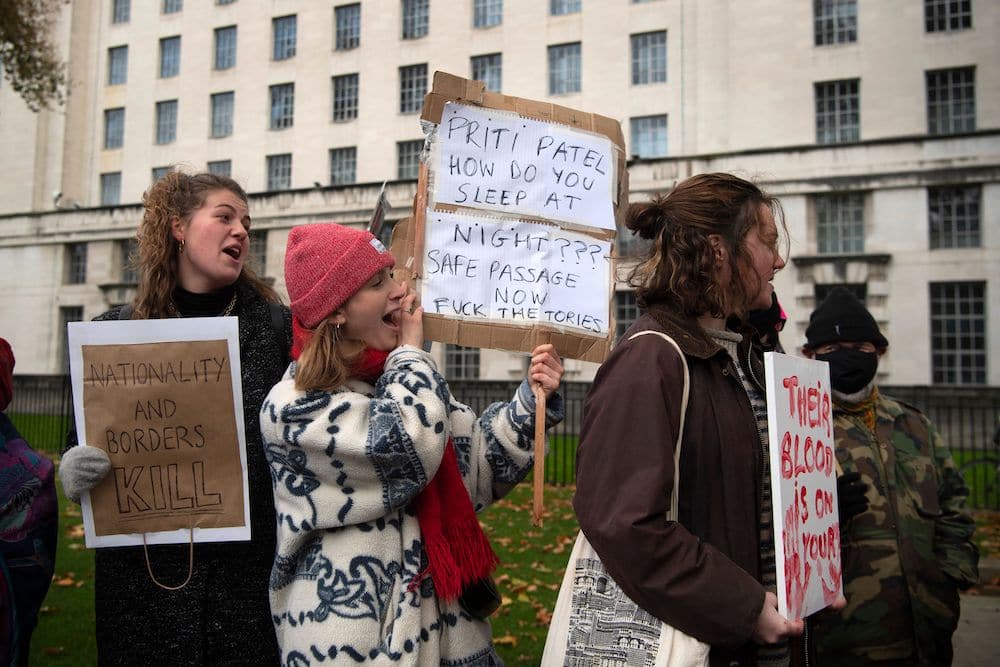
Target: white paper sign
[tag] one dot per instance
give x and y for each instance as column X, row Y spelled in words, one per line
column 515, row 271
column 155, row 435
column 499, row 161
column 803, row 484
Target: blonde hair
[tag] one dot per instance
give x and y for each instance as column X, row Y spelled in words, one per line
column 326, row 359
column 176, row 196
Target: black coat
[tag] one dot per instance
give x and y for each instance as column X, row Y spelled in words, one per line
column 222, row 615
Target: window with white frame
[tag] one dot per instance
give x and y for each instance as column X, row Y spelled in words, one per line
column 460, row 362
column 953, row 216
column 412, row 87
column 564, row 68
column 258, row 251
column 222, row 114
column 416, row 18
column 158, row 173
column 283, row 32
column 121, row 11
column 343, row 165
column 626, row 312
column 840, row 223
column 114, row 128
column 76, row 263
column 172, row 6
column 649, row 57
column 951, row 100
column 649, row 136
column 282, row 106
column 488, row 69
column 166, row 121
column 117, row 65
column 348, row 26
column 220, row 167
column 958, row 332
column 947, row 15
column 345, row 97
column 111, row 188
column 279, row 171
column 170, row 57
column 838, row 114
column 835, row 22
column 408, row 158
column 225, row 47
column 487, row 13
column 128, row 255
column 559, row 7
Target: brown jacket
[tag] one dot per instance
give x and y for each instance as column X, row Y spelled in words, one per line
column 699, row 574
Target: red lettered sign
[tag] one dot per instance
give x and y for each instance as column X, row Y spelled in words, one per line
column 803, row 484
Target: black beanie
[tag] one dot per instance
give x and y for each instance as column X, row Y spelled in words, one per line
column 842, row 317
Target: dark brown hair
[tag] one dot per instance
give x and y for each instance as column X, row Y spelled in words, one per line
column 680, row 268
column 176, row 196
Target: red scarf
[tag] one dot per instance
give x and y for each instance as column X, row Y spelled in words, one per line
column 458, row 551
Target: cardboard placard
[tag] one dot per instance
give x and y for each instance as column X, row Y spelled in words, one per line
column 803, row 484
column 515, row 213
column 163, row 399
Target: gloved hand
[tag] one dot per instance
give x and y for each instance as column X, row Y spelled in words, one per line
column 851, row 498
column 81, row 469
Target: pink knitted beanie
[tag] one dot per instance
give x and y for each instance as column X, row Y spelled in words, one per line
column 325, row 264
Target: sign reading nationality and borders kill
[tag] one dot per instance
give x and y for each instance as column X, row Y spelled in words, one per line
column 163, row 399
column 803, row 484
column 514, row 220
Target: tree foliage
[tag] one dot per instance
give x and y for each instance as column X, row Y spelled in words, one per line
column 29, row 57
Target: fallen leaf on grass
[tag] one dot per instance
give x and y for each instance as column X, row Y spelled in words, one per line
column 53, row 650
column 75, row 531
column 506, row 640
column 46, row 609
column 65, row 580
column 543, row 616
column 75, row 546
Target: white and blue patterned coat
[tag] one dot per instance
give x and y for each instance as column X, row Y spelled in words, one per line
column 345, row 468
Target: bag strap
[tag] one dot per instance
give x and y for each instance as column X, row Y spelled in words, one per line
column 674, row 494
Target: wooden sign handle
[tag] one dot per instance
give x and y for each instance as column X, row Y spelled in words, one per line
column 539, row 485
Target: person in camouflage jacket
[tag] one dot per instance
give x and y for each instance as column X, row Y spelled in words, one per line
column 905, row 540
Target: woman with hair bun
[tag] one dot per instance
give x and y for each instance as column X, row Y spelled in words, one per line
column 194, row 244
column 711, row 573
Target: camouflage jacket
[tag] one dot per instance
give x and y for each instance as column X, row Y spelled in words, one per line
column 906, row 557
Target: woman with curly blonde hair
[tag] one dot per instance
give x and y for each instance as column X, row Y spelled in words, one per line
column 194, row 244
column 710, row 573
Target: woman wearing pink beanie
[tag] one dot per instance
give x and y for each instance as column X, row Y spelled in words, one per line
column 378, row 471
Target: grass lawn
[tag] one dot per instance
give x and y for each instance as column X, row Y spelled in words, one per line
column 65, row 632
column 532, row 563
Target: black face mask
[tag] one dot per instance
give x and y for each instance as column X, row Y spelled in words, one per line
column 850, row 370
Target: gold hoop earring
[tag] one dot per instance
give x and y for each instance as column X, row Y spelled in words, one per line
column 180, row 247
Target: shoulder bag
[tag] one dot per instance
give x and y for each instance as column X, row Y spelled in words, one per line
column 594, row 622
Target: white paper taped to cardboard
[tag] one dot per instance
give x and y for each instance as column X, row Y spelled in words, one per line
column 515, row 271
column 499, row 161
